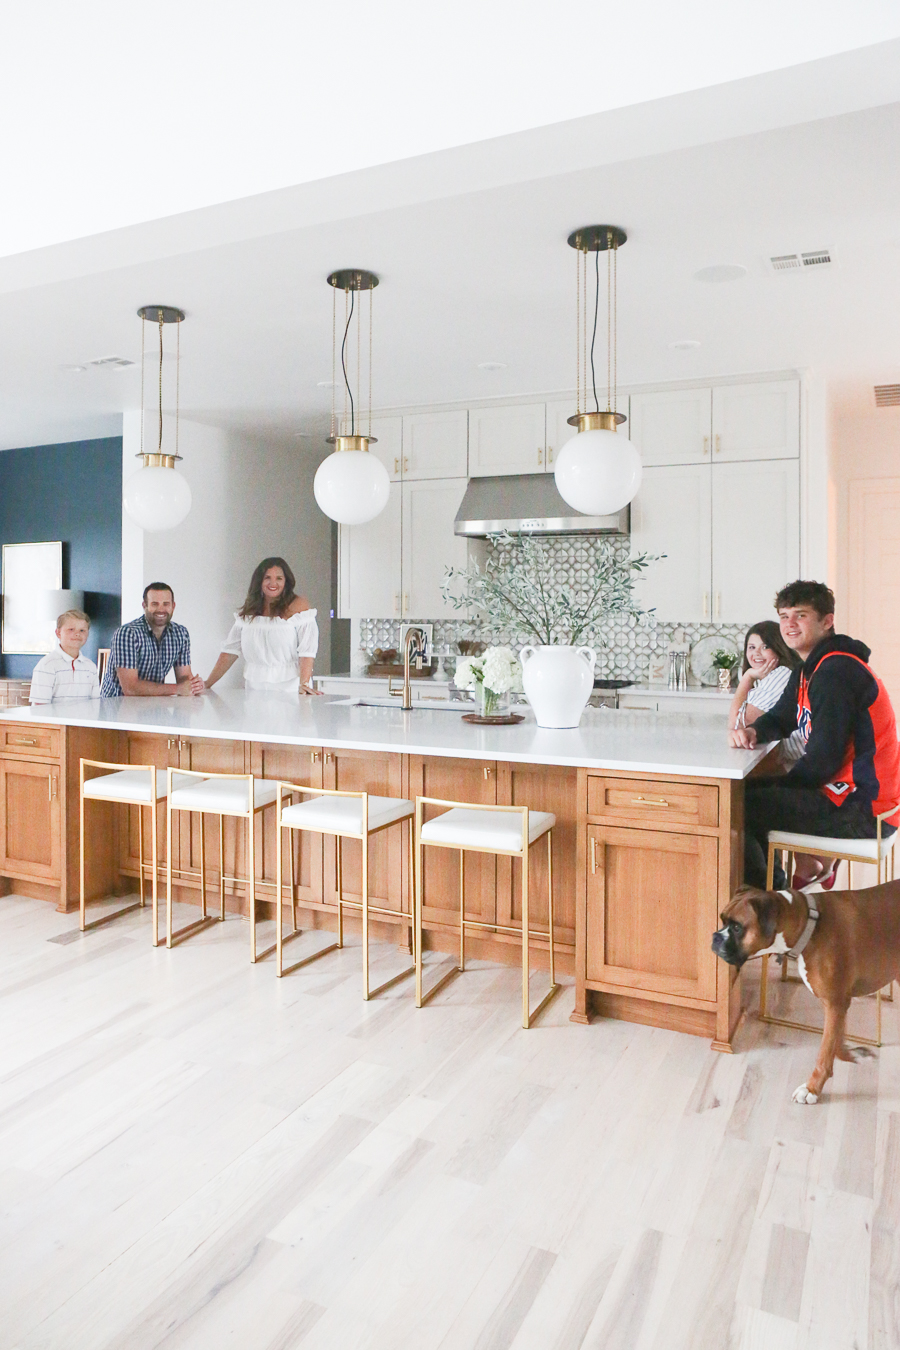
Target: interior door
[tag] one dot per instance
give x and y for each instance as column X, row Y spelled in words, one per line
column 429, row 546
column 369, row 581
column 671, row 515
column 756, row 536
column 874, row 574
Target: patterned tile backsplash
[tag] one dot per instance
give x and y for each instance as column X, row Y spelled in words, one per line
column 624, row 645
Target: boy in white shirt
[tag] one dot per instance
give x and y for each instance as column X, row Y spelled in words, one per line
column 65, row 673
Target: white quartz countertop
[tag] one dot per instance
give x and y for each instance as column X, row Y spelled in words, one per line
column 669, row 743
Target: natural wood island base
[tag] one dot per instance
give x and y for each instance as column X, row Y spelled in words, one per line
column 643, row 862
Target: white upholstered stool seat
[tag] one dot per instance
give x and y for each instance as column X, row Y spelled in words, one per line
column 509, row 831
column 848, row 850
column 344, row 815
column 140, row 786
column 132, row 786
column 222, row 796
column 240, row 795
column 879, row 852
column 496, row 831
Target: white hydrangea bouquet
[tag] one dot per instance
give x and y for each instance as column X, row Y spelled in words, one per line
column 491, row 677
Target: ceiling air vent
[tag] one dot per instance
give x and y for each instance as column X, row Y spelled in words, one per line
column 111, row 362
column 795, row 262
column 887, row 396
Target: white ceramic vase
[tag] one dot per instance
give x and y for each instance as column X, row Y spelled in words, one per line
column 558, row 682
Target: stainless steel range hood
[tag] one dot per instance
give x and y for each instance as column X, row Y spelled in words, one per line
column 527, row 503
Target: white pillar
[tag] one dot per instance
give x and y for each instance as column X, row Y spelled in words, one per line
column 132, row 534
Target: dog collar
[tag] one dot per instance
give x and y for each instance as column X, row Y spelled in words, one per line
column 812, row 919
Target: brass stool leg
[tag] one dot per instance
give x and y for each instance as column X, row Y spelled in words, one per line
column 140, row 811
column 293, row 879
column 417, row 942
column 251, row 859
column 279, row 850
column 526, row 951
column 411, row 888
column 169, row 869
column 202, row 866
column 550, row 905
column 221, row 869
column 462, row 909
column 154, row 882
column 365, row 914
column 81, row 854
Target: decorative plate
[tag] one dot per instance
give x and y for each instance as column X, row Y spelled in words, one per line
column 702, row 667
column 506, row 720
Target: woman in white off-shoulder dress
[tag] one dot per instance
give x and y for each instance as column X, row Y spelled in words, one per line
column 275, row 632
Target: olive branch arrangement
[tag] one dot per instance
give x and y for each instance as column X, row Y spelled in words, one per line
column 515, row 590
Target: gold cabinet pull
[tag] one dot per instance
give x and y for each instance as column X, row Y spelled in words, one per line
column 396, row 465
column 549, row 454
column 22, row 740
column 405, row 464
column 593, row 856
column 718, row 604
column 406, row 603
column 396, row 602
column 718, row 445
column 540, row 455
column 328, row 757
column 51, row 787
column 706, row 604
column 313, row 756
column 487, row 771
column 649, row 801
column 706, row 445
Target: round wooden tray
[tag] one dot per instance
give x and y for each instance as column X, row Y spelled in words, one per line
column 505, row 720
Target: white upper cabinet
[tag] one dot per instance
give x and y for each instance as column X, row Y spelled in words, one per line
column 756, row 421
column 389, row 447
column 671, row 515
column 369, row 581
column 673, row 427
column 430, row 546
column 507, row 440
column 436, row 445
column 558, row 430
column 756, row 537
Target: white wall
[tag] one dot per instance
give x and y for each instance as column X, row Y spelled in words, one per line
column 251, row 497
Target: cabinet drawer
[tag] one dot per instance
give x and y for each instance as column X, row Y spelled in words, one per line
column 660, row 803
column 32, row 741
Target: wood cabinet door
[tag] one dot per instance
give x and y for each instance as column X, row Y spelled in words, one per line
column 381, row 776
column 756, row 421
column 652, row 910
column 672, row 515
column 673, row 426
column 506, row 440
column 369, row 585
column 456, row 780
column 755, row 536
column 29, row 819
column 436, row 445
column 430, row 546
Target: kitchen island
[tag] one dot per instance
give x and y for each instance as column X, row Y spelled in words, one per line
column 647, row 846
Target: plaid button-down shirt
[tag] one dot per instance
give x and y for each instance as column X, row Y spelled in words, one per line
column 135, row 648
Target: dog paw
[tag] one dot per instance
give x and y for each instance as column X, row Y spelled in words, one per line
column 803, row 1095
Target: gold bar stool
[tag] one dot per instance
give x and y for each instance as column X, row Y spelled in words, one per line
column 137, row 786
column 878, row 851
column 510, row 831
column 217, row 794
column 346, row 815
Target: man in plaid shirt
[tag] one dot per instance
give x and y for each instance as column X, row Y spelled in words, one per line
column 144, row 651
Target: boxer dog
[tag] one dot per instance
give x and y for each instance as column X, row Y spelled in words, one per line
column 847, row 944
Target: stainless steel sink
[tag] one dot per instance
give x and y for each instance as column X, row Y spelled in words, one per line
column 424, row 705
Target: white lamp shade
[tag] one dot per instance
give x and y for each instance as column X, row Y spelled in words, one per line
column 352, row 486
column 598, row 472
column 157, row 498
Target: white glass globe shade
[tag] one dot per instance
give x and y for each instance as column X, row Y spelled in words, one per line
column 598, row 472
column 352, row 486
column 157, row 498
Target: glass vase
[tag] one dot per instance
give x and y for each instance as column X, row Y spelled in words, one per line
column 489, row 703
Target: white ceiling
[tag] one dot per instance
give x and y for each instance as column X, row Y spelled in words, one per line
column 470, row 246
column 134, row 112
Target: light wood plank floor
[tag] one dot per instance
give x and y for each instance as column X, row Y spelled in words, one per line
column 193, row 1154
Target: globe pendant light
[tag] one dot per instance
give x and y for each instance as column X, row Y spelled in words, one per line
column 157, row 497
column 351, row 485
column 597, row 471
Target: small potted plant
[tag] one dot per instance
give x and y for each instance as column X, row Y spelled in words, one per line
column 492, row 678
column 724, row 662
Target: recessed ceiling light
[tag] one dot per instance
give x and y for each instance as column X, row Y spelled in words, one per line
column 326, row 384
column 684, row 345
column 721, row 272
column 74, row 370
column 492, row 365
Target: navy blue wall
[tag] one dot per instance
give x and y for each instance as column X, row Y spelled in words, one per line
column 71, row 492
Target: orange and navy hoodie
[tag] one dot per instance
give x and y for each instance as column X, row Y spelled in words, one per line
column 844, row 714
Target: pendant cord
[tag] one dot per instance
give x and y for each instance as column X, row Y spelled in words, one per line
column 143, row 331
column 578, row 330
column 594, row 333
column 344, row 364
column 615, row 326
column 333, row 358
column 369, row 421
column 159, row 447
column 177, row 381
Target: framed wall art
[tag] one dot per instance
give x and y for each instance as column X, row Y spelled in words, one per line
column 29, row 571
